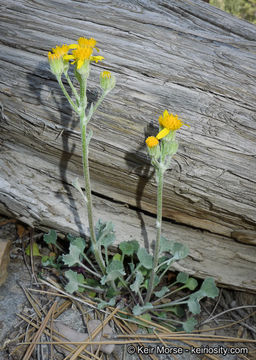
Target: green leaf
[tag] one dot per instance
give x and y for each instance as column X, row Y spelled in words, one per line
column 117, row 257
column 178, row 310
column 162, row 292
column 182, row 278
column 137, row 283
column 48, row 261
column 138, row 310
column 145, row 258
column 103, row 304
column 179, row 251
column 129, row 247
column 51, row 237
column 194, row 306
column 209, row 288
column 142, row 317
column 79, row 242
column 73, row 257
column 189, row 325
column 165, row 245
column 114, row 271
column 191, row 283
column 105, row 233
column 35, row 250
column 74, row 279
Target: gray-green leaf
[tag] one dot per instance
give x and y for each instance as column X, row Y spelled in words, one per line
column 145, row 258
column 179, row 251
column 74, row 281
column 138, row 310
column 137, row 283
column 182, row 278
column 129, row 247
column 162, row 292
column 73, row 257
column 191, row 283
column 165, row 245
column 114, row 271
column 51, row 237
column 189, row 325
column 209, row 288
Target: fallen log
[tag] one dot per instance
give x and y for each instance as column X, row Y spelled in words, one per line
column 187, row 57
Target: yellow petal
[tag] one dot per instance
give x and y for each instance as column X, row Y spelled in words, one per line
column 97, row 58
column 73, row 46
column 68, row 57
column 162, row 133
column 80, row 64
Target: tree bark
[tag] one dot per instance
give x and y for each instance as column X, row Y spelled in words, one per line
column 187, row 57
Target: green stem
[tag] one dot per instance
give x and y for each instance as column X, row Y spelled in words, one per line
column 158, row 234
column 83, row 123
column 73, row 105
column 72, row 87
column 89, row 270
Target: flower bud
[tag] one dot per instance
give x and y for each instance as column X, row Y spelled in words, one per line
column 153, row 147
column 107, row 81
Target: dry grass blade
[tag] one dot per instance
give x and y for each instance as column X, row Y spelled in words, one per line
column 39, row 332
column 95, row 332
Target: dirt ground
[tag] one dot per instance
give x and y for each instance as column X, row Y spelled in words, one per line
column 14, row 303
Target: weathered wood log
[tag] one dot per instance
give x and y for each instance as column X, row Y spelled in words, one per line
column 184, row 56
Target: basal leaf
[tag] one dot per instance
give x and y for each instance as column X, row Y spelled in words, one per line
column 209, row 288
column 73, row 257
column 137, row 283
column 129, row 247
column 79, row 242
column 145, row 258
column 103, row 304
column 179, row 251
column 165, row 245
column 74, row 281
column 138, row 310
column 105, row 233
column 191, row 284
column 162, row 292
column 194, row 306
column 189, row 325
column 114, row 271
column 51, row 237
column 182, row 278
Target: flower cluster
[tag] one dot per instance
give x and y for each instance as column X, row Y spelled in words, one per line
column 168, row 125
column 81, row 55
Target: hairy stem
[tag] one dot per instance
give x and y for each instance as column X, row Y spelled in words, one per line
column 83, row 124
column 160, row 176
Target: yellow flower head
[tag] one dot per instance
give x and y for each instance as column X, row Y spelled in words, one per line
column 58, row 52
column 83, row 42
column 152, row 141
column 81, row 55
column 105, row 74
column 169, row 122
column 56, row 59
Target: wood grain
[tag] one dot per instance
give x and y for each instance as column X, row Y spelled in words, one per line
column 185, row 56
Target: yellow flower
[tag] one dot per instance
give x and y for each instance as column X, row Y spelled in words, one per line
column 58, row 52
column 56, row 59
column 81, row 55
column 152, row 141
column 105, row 74
column 83, row 42
column 168, row 122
